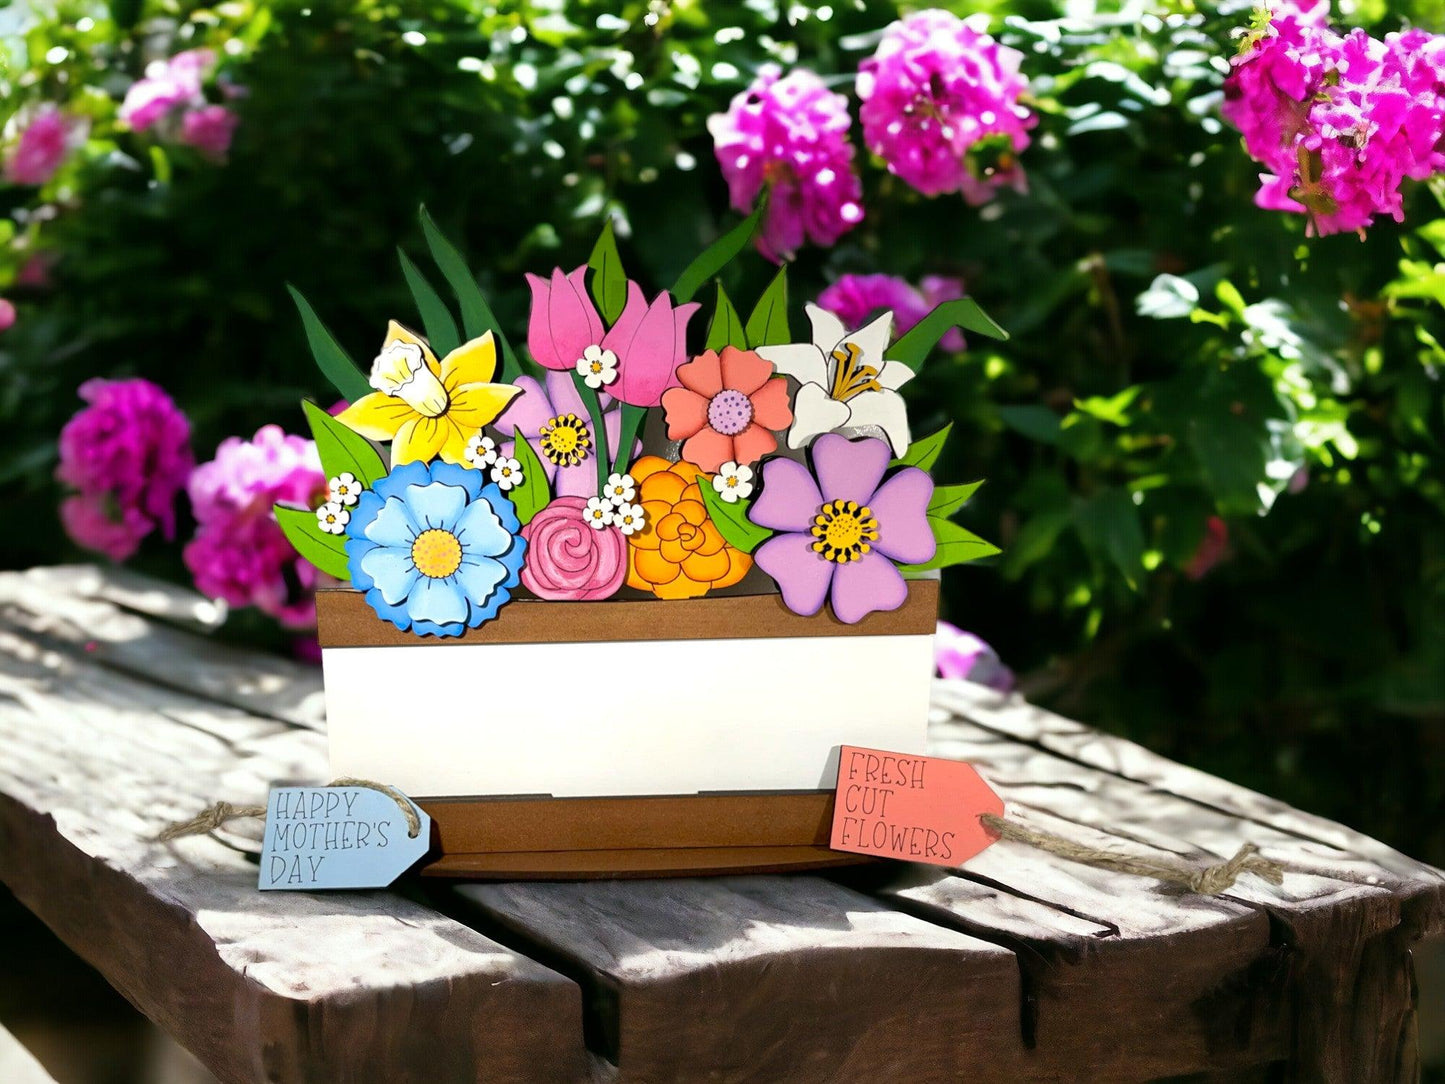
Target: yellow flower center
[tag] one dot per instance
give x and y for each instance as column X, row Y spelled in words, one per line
column 843, row 531
column 731, row 481
column 566, row 440
column 850, row 376
column 436, row 553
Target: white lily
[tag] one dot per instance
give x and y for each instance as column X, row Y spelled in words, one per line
column 846, row 385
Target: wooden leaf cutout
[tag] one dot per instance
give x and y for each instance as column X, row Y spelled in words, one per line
column 726, row 328
column 333, row 361
column 326, row 551
column 716, row 256
column 768, row 324
column 732, row 520
column 924, row 451
column 534, row 494
column 342, row 449
column 609, row 281
column 913, row 347
column 441, row 330
column 477, row 317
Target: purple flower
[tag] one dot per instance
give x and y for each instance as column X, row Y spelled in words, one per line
column 168, row 85
column 843, row 527
column 962, row 655
column 1338, row 122
column 42, row 147
column 854, row 299
column 96, row 522
column 209, row 129
column 239, row 552
column 941, row 107
column 128, row 453
column 555, row 423
column 789, row 134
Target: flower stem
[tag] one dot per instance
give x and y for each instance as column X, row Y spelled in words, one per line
column 599, row 428
column 631, row 422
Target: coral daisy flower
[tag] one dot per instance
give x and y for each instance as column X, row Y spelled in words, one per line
column 727, row 408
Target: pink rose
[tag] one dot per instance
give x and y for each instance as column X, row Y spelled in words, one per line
column 567, row 559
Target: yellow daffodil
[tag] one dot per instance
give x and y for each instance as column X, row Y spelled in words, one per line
column 429, row 408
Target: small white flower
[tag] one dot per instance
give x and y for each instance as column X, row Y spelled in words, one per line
column 507, row 473
column 629, row 517
column 597, row 366
column 345, row 489
column 332, row 518
column 599, row 513
column 621, row 489
column 481, row 451
column 733, row 483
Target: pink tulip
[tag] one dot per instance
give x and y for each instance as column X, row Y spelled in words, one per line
column 650, row 342
column 564, row 321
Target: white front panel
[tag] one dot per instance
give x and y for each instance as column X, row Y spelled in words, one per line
column 636, row 717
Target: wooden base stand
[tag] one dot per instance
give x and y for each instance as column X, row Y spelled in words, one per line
column 521, row 838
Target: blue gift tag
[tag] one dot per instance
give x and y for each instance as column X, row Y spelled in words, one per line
column 338, row 837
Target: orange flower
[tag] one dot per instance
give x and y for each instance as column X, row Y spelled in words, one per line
column 725, row 407
column 679, row 554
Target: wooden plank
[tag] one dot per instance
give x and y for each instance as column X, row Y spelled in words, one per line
column 767, row 978
column 1010, row 716
column 364, row 986
column 1341, row 924
column 62, row 607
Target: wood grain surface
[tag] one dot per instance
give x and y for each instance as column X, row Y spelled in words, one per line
column 117, row 713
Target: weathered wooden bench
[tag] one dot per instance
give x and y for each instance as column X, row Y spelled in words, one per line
column 117, row 715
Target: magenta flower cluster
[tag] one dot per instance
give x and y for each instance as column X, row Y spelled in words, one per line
column 854, row 299
column 1339, row 122
column 44, row 143
column 789, row 134
column 239, row 552
column 170, row 101
column 126, row 455
column 941, row 107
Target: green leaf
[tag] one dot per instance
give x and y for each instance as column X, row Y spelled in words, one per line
column 477, row 317
column 768, row 324
column 333, row 361
column 1036, row 422
column 342, row 449
column 913, row 347
column 1109, row 524
column 436, row 318
column 715, row 257
column 924, row 452
column 947, row 500
column 956, row 546
column 609, row 281
column 534, row 494
column 732, row 519
column 726, row 328
column 326, row 551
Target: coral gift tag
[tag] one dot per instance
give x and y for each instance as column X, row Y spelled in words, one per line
column 913, row 808
column 338, row 837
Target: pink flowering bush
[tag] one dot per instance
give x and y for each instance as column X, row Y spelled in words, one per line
column 170, row 102
column 127, row 454
column 43, row 145
column 854, row 298
column 941, row 107
column 1339, row 122
column 788, row 135
column 239, row 552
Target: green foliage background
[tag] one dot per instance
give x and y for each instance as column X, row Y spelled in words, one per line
column 1178, row 354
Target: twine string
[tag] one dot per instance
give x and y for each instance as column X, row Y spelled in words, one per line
column 219, row 813
column 1205, row 880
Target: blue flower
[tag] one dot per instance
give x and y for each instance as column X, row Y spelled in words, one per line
column 435, row 550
